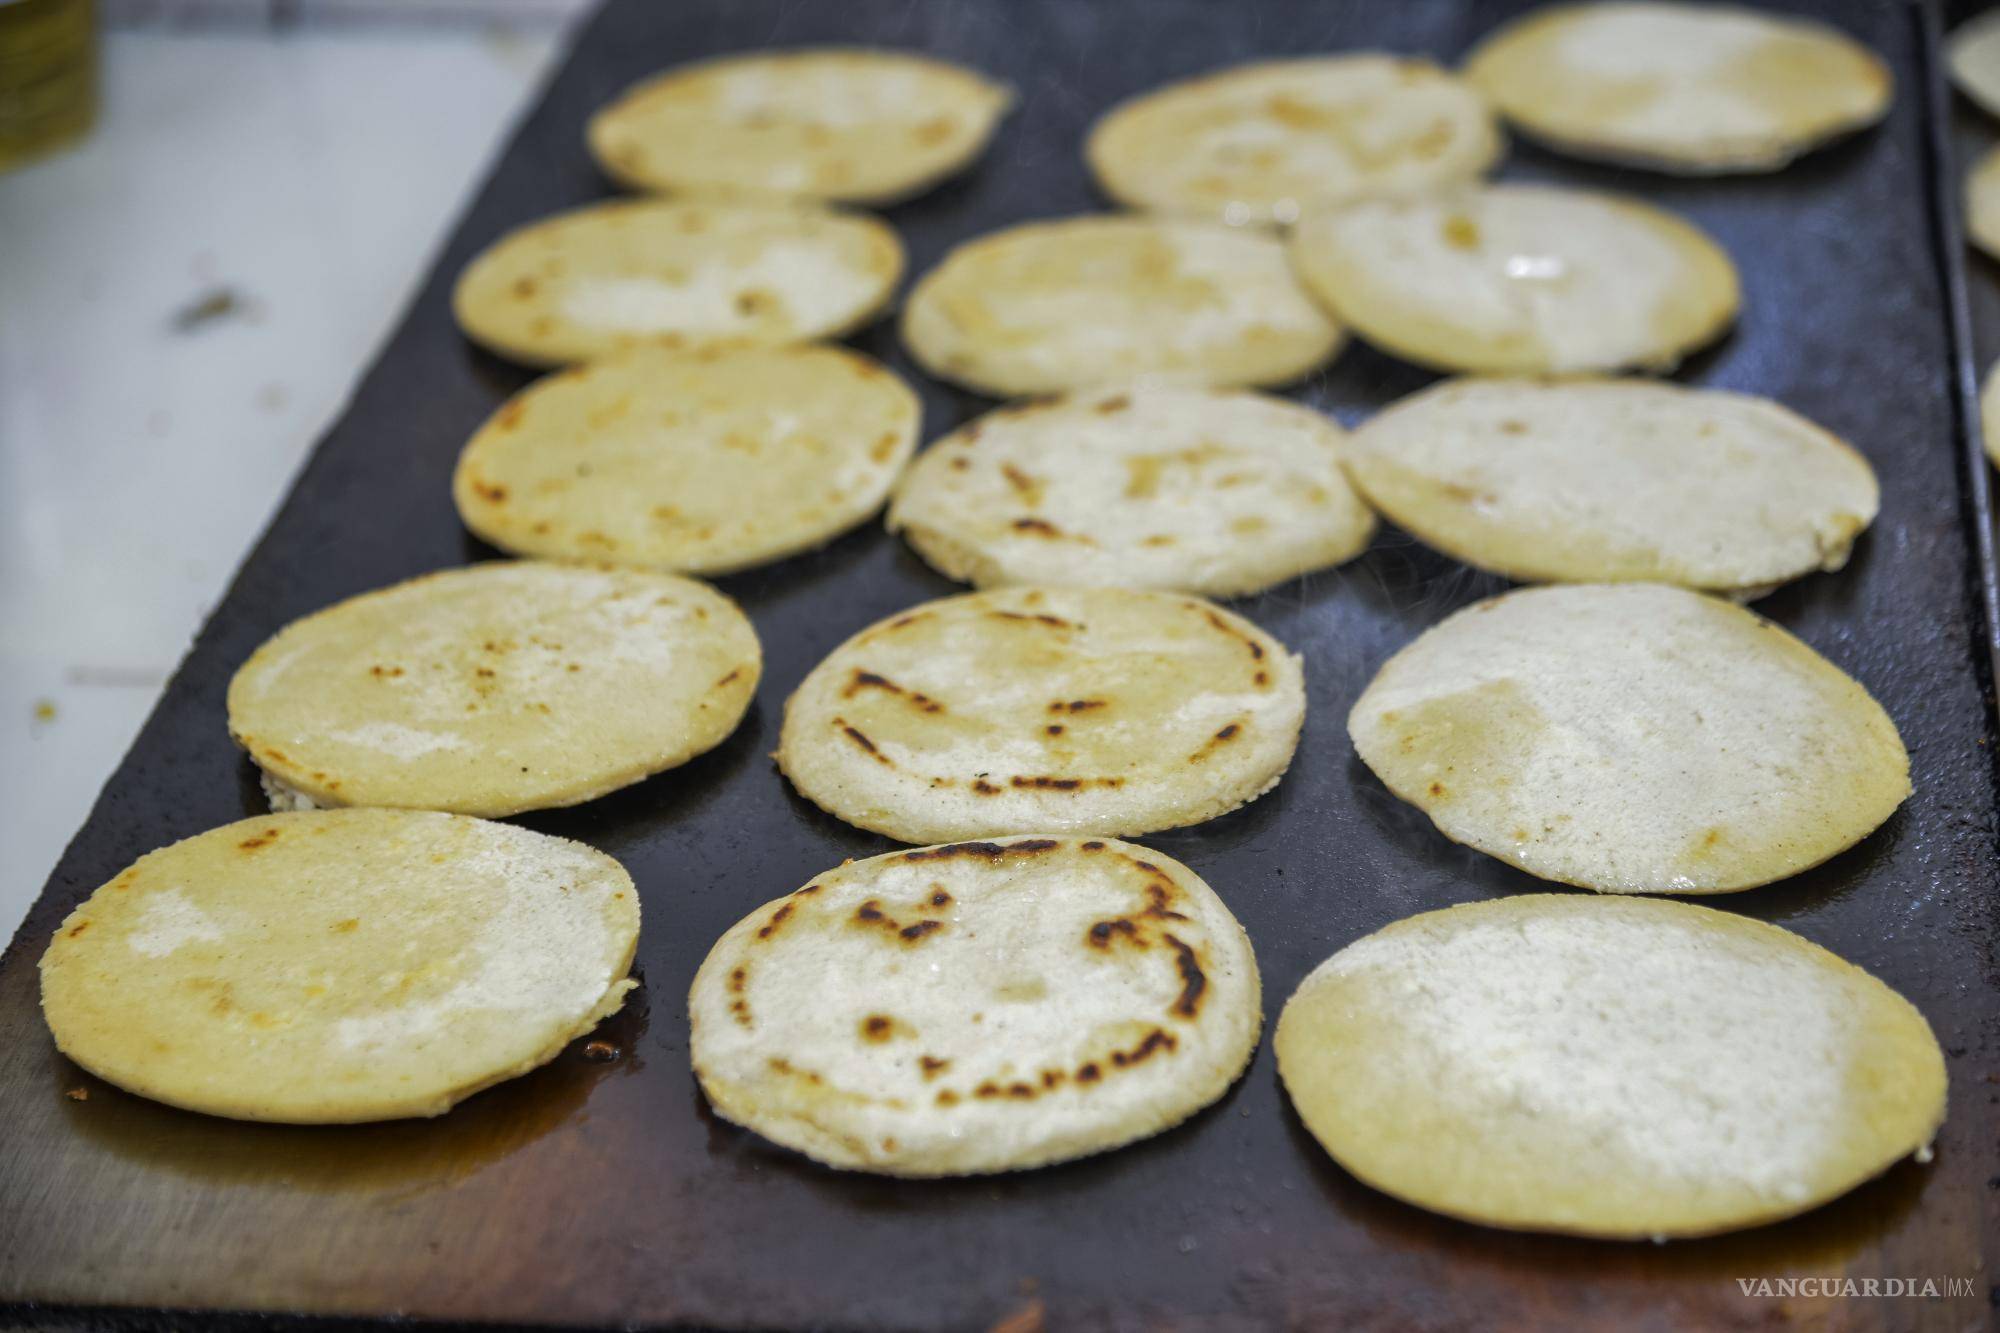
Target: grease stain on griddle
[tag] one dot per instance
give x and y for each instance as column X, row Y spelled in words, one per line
column 393, row 1159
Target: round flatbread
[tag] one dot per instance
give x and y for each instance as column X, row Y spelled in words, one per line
column 978, row 1007
column 1270, row 142
column 1973, row 55
column 509, row 686
column 1982, row 203
column 702, row 463
column 848, row 124
column 340, row 965
column 1620, row 1068
column 1202, row 490
column 1088, row 301
column 1603, row 480
column 1287, row 139
column 1078, row 710
column 689, row 276
column 1520, row 279
column 1695, row 89
column 1989, row 413
column 1631, row 738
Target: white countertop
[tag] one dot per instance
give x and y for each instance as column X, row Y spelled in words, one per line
column 291, row 184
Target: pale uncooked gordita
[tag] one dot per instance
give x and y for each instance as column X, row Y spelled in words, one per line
column 1519, row 278
column 851, row 124
column 1590, row 479
column 700, row 463
column 340, row 965
column 1622, row 1068
column 494, row 689
column 1694, row 89
column 1213, row 491
column 1087, row 301
column 685, row 274
column 1631, row 738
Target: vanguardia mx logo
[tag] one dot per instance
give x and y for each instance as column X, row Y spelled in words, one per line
column 1935, row 1287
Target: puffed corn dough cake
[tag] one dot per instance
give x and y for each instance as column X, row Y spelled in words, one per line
column 1973, row 57
column 1631, row 738
column 1696, row 89
column 1209, row 491
column 1520, row 279
column 702, row 463
column 340, row 965
column 1989, row 413
column 1276, row 140
column 840, row 123
column 1085, row 301
column 977, row 1007
column 503, row 687
column 1623, row 1068
column 1073, row 710
column 1612, row 480
column 691, row 276
column 1982, row 203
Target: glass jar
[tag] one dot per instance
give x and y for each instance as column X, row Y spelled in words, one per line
column 48, row 76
